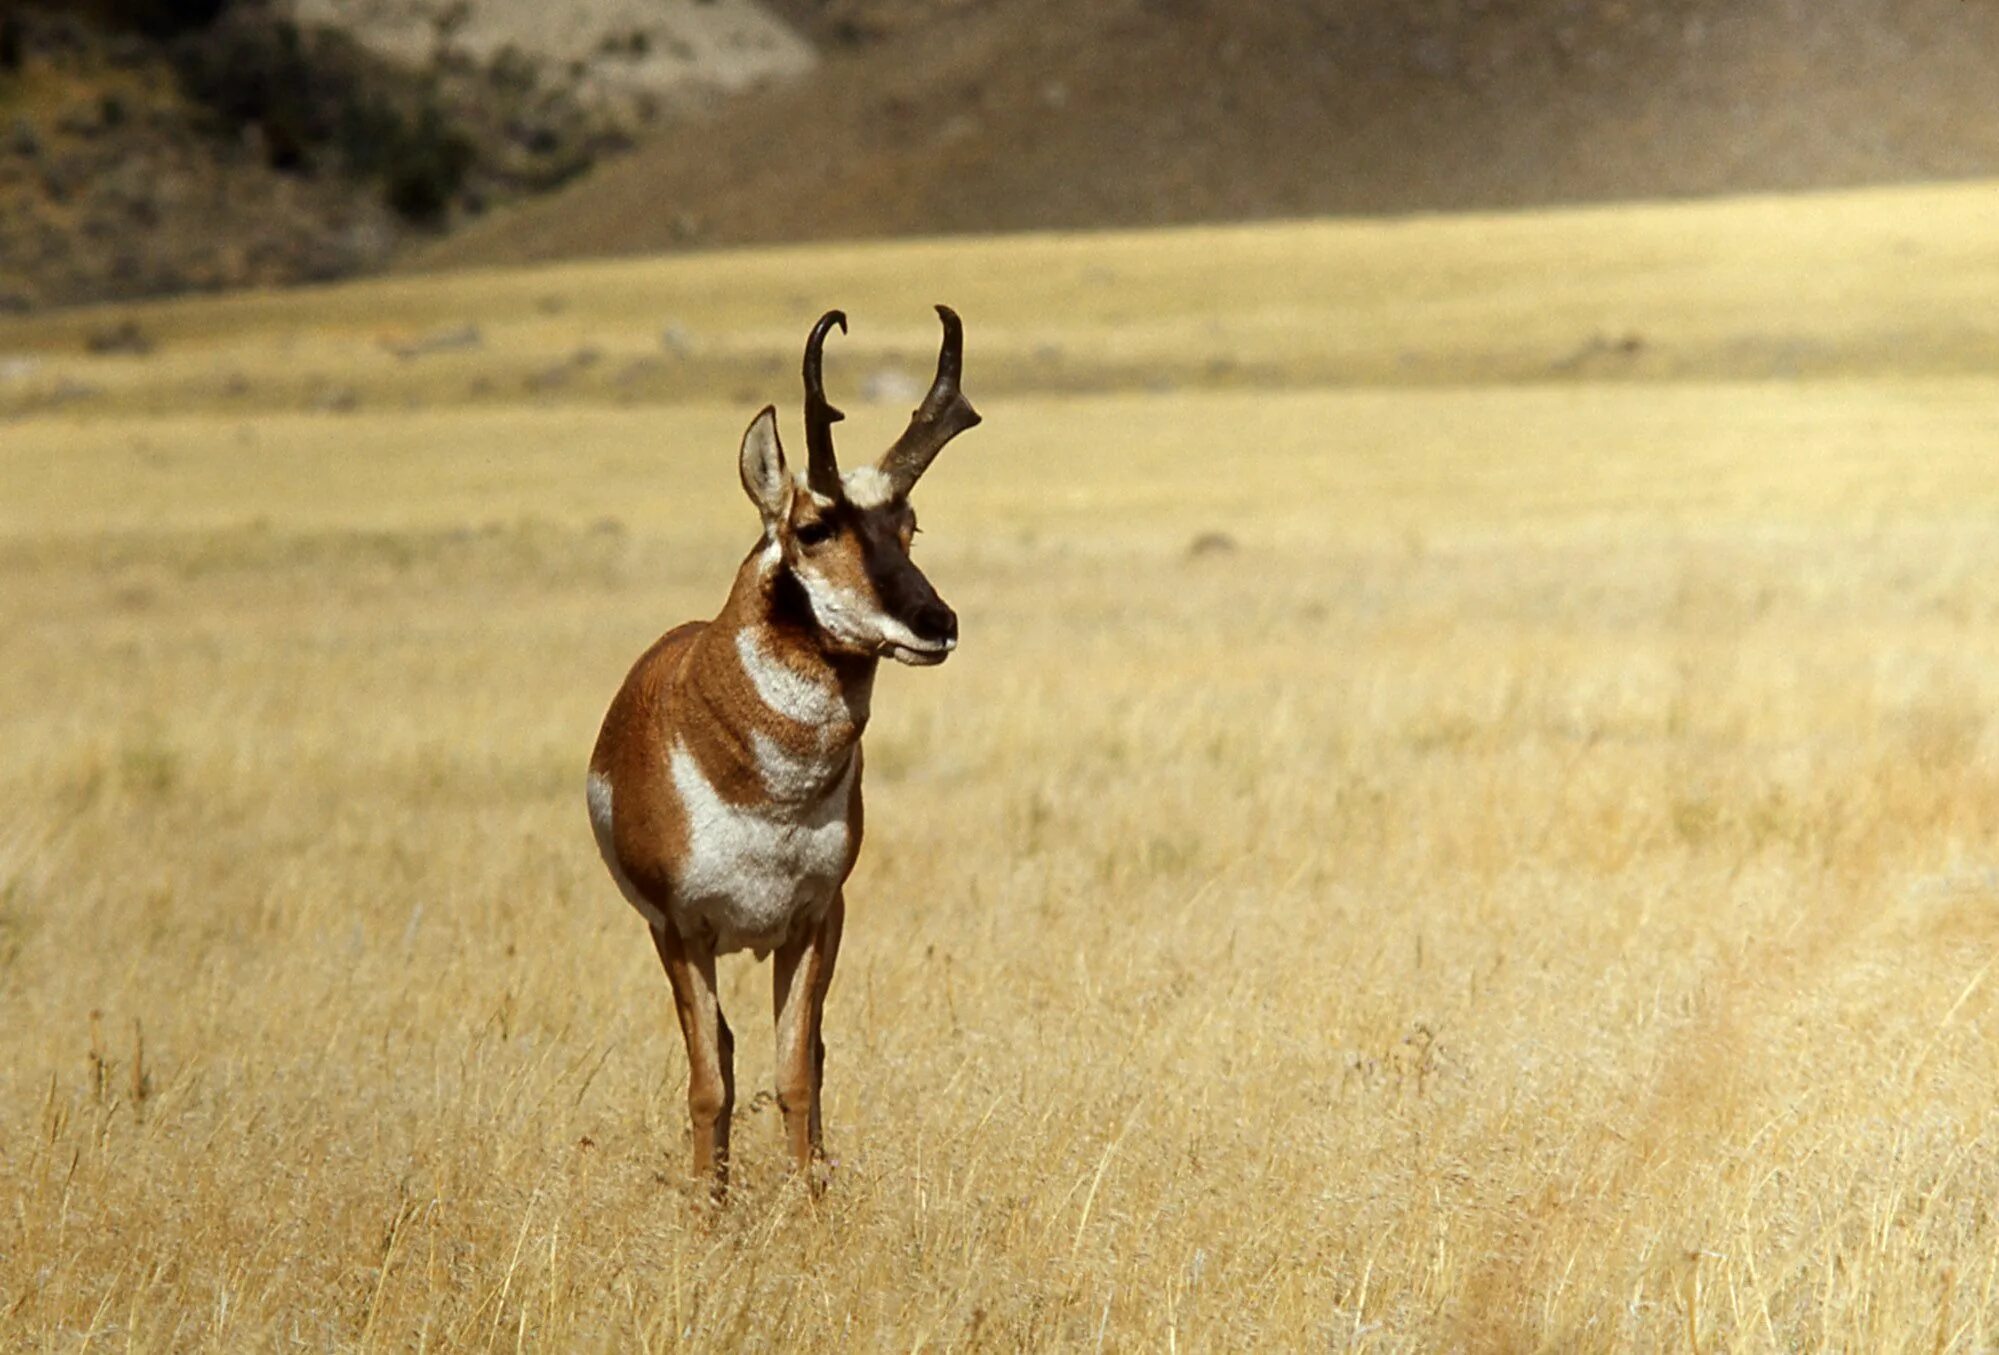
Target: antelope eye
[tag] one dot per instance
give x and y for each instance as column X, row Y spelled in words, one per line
column 813, row 532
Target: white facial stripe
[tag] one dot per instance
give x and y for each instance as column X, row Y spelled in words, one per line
column 867, row 487
column 896, row 633
column 749, row 875
column 787, row 692
column 598, row 791
column 839, row 611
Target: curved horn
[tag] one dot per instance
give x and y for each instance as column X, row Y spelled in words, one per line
column 944, row 413
column 822, row 471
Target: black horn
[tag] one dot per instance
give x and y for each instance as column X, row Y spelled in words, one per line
column 944, row 413
column 822, row 470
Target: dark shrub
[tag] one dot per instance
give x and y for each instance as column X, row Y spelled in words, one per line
column 319, row 98
column 161, row 18
column 254, row 70
column 419, row 158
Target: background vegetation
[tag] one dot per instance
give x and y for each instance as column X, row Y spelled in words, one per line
column 1523, row 880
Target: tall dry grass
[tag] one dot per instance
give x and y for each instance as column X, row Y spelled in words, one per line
column 1535, row 891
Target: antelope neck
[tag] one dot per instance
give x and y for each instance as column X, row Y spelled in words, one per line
column 760, row 662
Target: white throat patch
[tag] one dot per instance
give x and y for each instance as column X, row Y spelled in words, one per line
column 750, row 876
column 786, row 691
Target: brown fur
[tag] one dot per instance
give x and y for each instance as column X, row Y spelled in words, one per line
column 712, row 797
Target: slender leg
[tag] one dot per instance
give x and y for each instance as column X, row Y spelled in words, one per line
column 829, row 944
column 711, row 1052
column 797, row 993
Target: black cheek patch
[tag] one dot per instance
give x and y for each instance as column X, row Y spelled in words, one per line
column 788, row 603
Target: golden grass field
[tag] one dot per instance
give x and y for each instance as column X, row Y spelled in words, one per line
column 1537, row 891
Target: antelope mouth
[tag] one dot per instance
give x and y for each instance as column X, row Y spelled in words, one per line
column 925, row 654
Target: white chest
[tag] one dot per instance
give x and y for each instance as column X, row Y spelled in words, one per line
column 752, row 873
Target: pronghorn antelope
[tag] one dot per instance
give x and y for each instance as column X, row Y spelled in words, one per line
column 725, row 789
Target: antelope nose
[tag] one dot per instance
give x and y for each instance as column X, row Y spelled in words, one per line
column 938, row 622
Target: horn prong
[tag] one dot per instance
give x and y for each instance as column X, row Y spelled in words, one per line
column 944, row 413
column 822, row 469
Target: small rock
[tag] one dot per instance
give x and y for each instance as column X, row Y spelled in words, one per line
column 1211, row 543
column 549, row 378
column 69, row 391
column 636, row 371
column 437, row 341
column 123, row 337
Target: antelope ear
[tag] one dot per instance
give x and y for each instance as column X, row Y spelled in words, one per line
column 763, row 465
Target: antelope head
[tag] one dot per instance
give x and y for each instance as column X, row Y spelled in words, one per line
column 837, row 545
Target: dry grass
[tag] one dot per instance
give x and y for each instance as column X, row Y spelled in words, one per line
column 1535, row 892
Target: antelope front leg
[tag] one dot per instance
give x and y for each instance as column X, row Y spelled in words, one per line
column 803, row 968
column 711, row 1053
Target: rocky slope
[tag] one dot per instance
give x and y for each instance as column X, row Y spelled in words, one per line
column 153, row 146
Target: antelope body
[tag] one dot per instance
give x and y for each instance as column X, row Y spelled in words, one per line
column 725, row 788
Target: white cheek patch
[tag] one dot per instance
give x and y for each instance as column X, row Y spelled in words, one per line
column 784, row 690
column 867, row 487
column 839, row 611
column 598, row 791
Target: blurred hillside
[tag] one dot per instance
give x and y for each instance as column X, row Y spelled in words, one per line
column 267, row 147
column 945, row 116
column 154, row 146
